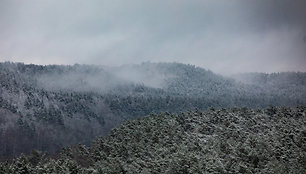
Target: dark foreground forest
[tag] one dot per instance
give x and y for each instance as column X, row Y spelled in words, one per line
column 237, row 140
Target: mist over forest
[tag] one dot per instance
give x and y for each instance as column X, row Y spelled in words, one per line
column 161, row 86
column 50, row 107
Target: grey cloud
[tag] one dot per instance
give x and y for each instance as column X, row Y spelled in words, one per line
column 224, row 36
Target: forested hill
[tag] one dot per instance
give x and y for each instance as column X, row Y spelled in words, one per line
column 48, row 107
column 237, row 140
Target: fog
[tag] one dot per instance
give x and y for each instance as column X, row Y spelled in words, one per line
column 226, row 36
column 103, row 78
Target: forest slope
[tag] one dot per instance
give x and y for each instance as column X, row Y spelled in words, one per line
column 48, row 107
column 237, row 140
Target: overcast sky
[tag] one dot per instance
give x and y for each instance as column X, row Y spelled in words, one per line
column 225, row 36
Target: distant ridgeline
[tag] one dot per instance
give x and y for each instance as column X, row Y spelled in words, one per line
column 48, row 107
column 237, row 140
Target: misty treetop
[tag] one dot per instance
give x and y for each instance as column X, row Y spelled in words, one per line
column 48, row 107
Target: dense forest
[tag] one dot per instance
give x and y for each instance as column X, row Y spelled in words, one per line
column 237, row 140
column 50, row 107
